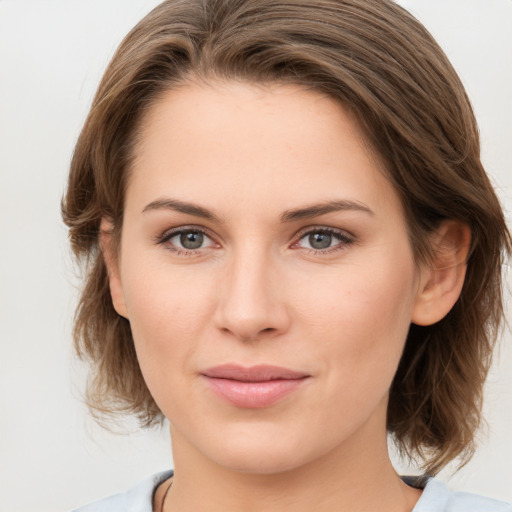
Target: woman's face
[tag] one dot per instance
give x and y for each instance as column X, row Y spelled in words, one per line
column 259, row 233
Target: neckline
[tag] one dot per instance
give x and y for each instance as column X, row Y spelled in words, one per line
column 421, row 482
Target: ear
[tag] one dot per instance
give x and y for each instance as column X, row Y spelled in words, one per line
column 441, row 282
column 112, row 264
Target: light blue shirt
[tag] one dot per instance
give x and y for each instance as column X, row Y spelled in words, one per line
column 436, row 497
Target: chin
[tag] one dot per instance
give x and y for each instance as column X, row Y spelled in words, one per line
column 265, row 454
column 260, row 461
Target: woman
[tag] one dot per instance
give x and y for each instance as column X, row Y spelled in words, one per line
column 293, row 250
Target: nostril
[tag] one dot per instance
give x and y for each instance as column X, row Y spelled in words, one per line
column 267, row 333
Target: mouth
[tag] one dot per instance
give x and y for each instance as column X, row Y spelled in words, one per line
column 254, row 387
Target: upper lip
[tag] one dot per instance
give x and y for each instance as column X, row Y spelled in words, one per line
column 258, row 373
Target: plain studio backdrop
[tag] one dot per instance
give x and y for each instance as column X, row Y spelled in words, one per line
column 52, row 55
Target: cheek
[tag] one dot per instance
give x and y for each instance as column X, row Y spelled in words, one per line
column 361, row 316
column 168, row 309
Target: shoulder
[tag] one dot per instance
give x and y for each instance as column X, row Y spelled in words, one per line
column 437, row 497
column 137, row 499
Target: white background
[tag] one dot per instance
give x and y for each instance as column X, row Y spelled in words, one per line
column 52, row 54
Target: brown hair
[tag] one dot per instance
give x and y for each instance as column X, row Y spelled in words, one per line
column 383, row 65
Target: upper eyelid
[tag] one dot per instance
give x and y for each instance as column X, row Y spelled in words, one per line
column 207, row 231
column 169, row 233
column 312, row 229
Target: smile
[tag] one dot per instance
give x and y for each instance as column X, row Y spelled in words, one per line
column 256, row 387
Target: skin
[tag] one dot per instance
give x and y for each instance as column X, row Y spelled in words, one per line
column 256, row 292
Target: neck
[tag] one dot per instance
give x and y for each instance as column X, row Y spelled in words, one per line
column 356, row 476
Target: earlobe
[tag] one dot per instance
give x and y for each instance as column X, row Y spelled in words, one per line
column 441, row 282
column 112, row 264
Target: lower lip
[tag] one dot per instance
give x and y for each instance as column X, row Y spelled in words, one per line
column 254, row 395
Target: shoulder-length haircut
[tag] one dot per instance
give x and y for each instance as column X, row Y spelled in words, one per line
column 379, row 62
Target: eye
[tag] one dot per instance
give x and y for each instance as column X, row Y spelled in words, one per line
column 324, row 240
column 189, row 239
column 186, row 240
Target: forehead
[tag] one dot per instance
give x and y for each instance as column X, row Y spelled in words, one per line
column 245, row 111
column 252, row 145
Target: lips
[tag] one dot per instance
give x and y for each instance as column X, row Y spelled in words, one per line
column 255, row 387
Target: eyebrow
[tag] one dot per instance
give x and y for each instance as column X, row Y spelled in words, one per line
column 307, row 212
column 182, row 207
column 323, row 208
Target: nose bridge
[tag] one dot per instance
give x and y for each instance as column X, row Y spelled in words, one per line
column 250, row 303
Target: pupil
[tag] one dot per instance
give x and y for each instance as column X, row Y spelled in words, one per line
column 191, row 240
column 320, row 240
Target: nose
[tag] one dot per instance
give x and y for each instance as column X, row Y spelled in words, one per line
column 251, row 301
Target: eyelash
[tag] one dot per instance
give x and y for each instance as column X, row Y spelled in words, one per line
column 345, row 239
column 168, row 235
